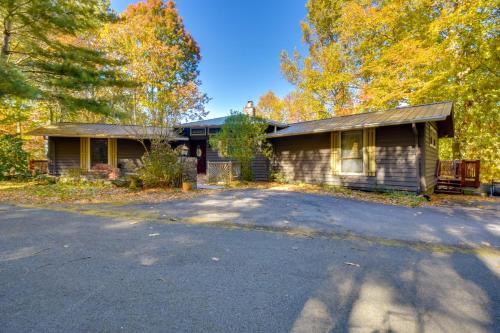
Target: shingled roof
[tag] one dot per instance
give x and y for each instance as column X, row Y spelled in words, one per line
column 439, row 112
column 103, row 131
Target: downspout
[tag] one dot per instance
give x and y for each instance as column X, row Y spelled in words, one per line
column 417, row 156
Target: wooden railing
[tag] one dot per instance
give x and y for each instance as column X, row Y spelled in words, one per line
column 467, row 171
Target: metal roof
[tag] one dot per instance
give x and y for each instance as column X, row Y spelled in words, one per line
column 402, row 115
column 217, row 122
column 103, row 131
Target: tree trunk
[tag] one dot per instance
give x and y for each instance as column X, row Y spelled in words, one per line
column 456, row 149
column 6, row 38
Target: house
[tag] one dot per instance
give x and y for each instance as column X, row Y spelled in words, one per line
column 388, row 150
column 82, row 146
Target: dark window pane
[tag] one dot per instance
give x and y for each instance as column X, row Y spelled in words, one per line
column 198, row 131
column 98, row 151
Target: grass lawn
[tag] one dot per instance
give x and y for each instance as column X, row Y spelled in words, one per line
column 39, row 193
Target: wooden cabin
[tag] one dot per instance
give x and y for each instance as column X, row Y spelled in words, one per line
column 395, row 149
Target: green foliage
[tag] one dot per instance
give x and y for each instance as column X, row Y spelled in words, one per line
column 43, row 56
column 241, row 138
column 161, row 166
column 13, row 159
column 372, row 55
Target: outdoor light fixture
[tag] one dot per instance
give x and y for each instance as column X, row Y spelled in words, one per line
column 198, row 151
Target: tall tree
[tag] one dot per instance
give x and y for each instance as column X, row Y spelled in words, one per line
column 40, row 58
column 271, row 106
column 163, row 57
column 371, row 55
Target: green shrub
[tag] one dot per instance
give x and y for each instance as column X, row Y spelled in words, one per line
column 161, row 166
column 13, row 159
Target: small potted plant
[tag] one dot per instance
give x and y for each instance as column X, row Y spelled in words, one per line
column 187, row 185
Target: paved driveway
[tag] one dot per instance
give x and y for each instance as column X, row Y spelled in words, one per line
column 66, row 272
column 473, row 226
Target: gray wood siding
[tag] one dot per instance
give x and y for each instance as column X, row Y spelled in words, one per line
column 66, row 154
column 306, row 158
column 129, row 154
column 260, row 164
column 430, row 158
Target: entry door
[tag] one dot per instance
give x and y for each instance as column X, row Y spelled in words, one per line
column 196, row 146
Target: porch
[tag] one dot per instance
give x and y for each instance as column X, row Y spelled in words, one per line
column 454, row 176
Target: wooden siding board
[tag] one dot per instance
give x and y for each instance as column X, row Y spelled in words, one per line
column 66, row 154
column 430, row 157
column 306, row 158
column 129, row 154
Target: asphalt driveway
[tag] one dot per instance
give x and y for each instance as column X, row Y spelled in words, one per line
column 62, row 271
column 453, row 225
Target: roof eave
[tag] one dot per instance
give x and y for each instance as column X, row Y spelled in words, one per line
column 102, row 136
column 346, row 128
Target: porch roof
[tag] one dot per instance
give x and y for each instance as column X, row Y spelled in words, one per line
column 105, row 131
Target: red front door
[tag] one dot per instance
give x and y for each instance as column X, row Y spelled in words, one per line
column 198, row 148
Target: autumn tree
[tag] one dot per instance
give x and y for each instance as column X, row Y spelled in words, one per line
column 163, row 58
column 271, row 106
column 366, row 55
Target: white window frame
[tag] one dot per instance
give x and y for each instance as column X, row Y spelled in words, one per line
column 191, row 132
column 342, row 172
column 432, row 135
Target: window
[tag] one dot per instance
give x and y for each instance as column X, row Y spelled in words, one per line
column 212, row 131
column 432, row 137
column 198, row 131
column 351, row 144
column 98, row 151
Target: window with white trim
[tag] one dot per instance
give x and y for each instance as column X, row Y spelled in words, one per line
column 351, row 156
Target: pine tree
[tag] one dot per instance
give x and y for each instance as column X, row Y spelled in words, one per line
column 42, row 59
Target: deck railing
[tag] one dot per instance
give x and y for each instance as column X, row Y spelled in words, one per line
column 467, row 171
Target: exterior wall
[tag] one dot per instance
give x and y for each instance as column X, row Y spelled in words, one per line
column 306, row 158
column 64, row 154
column 430, row 158
column 129, row 154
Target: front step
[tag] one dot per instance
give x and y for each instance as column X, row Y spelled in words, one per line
column 448, row 186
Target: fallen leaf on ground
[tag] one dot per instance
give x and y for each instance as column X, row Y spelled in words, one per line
column 351, row 264
column 215, row 259
column 155, row 234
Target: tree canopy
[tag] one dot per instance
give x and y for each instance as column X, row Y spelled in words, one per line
column 42, row 59
column 163, row 58
column 241, row 138
column 372, row 55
